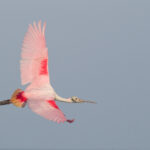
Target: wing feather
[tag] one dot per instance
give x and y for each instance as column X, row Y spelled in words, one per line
column 34, row 70
column 34, row 52
column 44, row 109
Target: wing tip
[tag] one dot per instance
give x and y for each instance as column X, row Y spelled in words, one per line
column 70, row 121
column 38, row 26
column 67, row 120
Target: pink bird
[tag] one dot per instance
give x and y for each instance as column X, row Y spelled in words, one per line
column 39, row 94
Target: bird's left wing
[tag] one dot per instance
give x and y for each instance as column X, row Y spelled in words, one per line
column 34, row 56
column 47, row 109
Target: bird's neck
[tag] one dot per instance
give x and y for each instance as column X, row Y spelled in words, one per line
column 67, row 100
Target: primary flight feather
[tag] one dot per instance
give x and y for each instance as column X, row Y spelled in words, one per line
column 39, row 94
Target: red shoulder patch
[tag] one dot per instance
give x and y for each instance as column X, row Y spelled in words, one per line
column 43, row 69
column 53, row 104
column 21, row 97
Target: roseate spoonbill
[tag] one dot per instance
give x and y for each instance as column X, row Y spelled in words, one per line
column 39, row 94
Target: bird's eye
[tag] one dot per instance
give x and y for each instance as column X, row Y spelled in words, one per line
column 74, row 98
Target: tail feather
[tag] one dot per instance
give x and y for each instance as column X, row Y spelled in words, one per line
column 18, row 98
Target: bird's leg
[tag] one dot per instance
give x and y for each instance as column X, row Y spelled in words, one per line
column 5, row 102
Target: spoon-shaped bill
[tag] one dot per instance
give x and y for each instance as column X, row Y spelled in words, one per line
column 87, row 101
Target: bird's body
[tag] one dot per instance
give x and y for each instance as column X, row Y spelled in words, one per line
column 39, row 94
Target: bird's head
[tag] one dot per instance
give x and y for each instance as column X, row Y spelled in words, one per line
column 75, row 99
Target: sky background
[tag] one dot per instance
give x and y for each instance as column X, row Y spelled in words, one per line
column 98, row 50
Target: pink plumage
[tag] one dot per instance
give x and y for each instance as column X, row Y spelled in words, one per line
column 34, row 51
column 34, row 70
column 39, row 94
column 43, row 108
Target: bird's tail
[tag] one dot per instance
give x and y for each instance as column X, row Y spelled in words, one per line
column 18, row 99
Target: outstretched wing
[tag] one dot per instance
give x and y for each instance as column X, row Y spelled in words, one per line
column 48, row 109
column 34, row 56
column 34, row 70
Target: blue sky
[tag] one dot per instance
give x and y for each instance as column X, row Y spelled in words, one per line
column 98, row 50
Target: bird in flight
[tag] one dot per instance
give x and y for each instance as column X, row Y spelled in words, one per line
column 39, row 94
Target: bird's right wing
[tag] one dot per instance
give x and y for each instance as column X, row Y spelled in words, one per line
column 34, row 57
column 48, row 109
